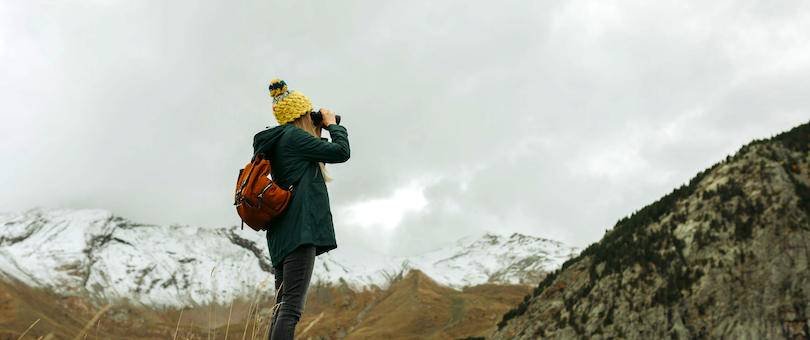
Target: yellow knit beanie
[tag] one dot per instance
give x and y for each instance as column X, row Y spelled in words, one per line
column 288, row 105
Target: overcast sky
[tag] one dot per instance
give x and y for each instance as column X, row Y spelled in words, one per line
column 549, row 118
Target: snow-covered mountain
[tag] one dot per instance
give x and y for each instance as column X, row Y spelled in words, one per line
column 96, row 254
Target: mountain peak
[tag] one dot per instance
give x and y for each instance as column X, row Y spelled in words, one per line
column 101, row 255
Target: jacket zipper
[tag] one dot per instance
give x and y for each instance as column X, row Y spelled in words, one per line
column 262, row 193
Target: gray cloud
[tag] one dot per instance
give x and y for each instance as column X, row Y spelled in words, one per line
column 548, row 118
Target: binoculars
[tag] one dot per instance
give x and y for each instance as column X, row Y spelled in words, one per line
column 317, row 117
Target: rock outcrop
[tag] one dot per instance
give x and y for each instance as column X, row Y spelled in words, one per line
column 725, row 257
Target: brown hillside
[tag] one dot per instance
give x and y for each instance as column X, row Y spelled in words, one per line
column 65, row 316
column 415, row 307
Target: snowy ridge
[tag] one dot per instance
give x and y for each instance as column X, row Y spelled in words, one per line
column 473, row 260
column 99, row 255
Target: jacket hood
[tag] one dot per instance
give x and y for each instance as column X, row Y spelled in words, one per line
column 266, row 140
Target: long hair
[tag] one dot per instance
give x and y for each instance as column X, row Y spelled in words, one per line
column 305, row 123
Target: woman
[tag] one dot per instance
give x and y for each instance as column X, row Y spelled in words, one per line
column 297, row 155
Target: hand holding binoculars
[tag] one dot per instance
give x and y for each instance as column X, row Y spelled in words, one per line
column 317, row 117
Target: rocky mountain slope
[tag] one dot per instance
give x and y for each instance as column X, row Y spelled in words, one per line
column 725, row 257
column 99, row 256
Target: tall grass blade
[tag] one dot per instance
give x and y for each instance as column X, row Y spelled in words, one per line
column 257, row 324
column 251, row 310
column 211, row 279
column 190, row 330
column 310, row 325
column 178, row 322
column 90, row 324
column 29, row 328
column 233, row 298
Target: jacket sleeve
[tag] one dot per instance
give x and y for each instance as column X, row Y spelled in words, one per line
column 317, row 150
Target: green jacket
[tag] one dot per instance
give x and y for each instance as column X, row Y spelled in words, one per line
column 294, row 155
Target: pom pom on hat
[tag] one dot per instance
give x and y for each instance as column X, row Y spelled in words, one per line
column 288, row 105
column 277, row 87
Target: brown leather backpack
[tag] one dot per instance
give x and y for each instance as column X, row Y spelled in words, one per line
column 258, row 199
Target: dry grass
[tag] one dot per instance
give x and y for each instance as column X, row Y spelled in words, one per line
column 90, row 324
column 29, row 328
column 18, row 302
column 413, row 307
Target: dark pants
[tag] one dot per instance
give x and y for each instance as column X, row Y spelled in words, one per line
column 295, row 272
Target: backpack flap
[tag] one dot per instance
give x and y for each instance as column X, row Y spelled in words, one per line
column 258, row 199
